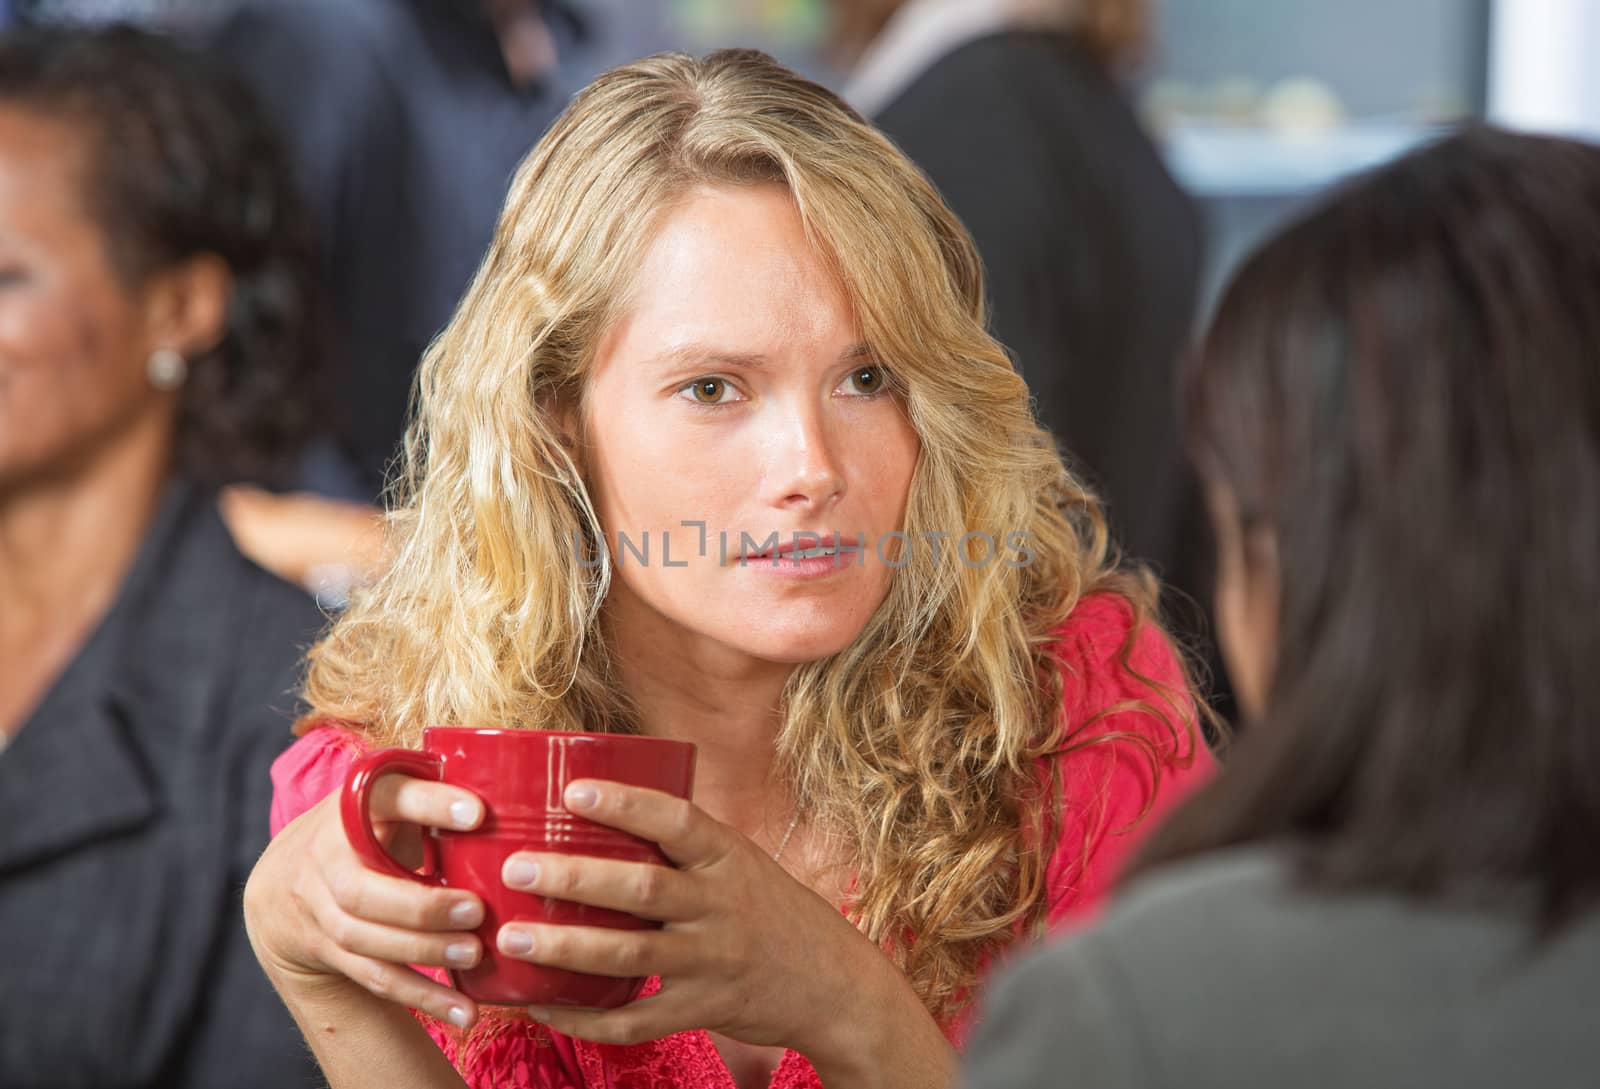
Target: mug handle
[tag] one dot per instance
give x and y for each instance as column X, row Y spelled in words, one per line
column 356, row 815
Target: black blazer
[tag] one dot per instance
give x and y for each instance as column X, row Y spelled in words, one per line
column 132, row 805
column 1092, row 255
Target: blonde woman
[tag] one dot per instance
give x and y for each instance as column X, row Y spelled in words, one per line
column 720, row 307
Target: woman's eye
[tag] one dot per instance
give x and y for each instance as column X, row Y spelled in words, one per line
column 710, row 391
column 866, row 381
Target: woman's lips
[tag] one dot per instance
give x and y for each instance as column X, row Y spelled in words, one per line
column 802, row 541
column 831, row 554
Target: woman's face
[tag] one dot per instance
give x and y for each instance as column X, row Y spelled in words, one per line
column 73, row 338
column 736, row 393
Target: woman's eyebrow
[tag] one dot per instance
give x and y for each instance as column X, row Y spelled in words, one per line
column 706, row 355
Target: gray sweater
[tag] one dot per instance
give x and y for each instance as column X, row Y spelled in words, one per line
column 1219, row 973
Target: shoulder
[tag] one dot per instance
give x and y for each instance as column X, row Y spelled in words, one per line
column 311, row 769
column 1247, row 913
column 1021, row 56
column 1112, row 658
column 1226, row 970
column 1130, row 748
column 277, row 609
column 1244, row 915
column 1219, row 885
column 308, row 60
column 239, row 629
column 270, row 622
column 262, row 632
column 1081, row 1003
column 1029, row 114
column 1007, row 84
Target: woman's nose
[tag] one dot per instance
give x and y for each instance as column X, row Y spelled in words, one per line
column 806, row 472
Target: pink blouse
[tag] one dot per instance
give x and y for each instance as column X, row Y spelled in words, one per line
column 1105, row 789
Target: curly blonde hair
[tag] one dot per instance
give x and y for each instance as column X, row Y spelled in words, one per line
column 916, row 747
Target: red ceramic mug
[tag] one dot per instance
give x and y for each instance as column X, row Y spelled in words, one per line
column 521, row 775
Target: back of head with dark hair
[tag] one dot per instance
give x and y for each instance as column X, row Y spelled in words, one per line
column 1405, row 387
column 183, row 162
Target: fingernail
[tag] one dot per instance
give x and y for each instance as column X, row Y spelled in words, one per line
column 466, row 915
column 522, row 873
column 538, row 1013
column 581, row 796
column 515, row 941
column 464, row 813
column 458, row 1017
column 461, row 954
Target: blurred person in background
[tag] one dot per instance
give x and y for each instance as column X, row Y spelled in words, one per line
column 1397, row 415
column 1014, row 110
column 406, row 119
column 155, row 337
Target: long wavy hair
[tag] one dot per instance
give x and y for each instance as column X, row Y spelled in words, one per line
column 916, row 747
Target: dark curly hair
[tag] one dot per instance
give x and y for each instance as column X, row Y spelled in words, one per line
column 183, row 162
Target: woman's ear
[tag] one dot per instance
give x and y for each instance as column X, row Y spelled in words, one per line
column 186, row 305
column 561, row 412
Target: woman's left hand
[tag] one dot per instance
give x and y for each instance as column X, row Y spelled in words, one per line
column 746, row 950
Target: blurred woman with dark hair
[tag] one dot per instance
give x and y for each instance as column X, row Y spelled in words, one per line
column 1397, row 413
column 1016, row 111
column 154, row 341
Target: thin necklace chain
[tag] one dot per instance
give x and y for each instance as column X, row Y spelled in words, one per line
column 784, row 842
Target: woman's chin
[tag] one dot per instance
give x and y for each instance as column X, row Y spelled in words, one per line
column 801, row 645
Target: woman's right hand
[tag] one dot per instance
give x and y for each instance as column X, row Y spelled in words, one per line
column 317, row 915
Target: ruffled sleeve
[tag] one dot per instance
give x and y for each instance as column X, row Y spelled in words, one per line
column 1115, row 791
column 309, row 770
column 506, row 1050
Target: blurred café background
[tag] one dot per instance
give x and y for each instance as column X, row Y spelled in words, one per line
column 1256, row 104
column 1105, row 247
